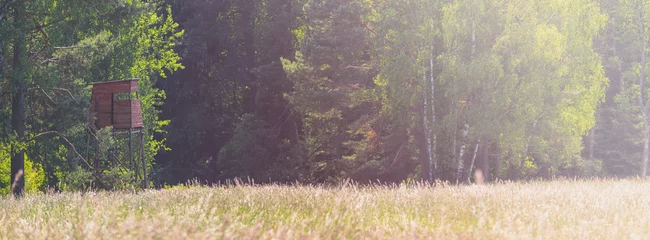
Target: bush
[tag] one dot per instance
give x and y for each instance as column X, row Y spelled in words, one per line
column 34, row 173
column 76, row 180
column 110, row 179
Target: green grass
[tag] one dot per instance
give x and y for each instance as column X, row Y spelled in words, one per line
column 598, row 209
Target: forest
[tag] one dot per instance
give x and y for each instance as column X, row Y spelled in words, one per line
column 325, row 91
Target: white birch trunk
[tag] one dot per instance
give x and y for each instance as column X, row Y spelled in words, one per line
column 427, row 135
column 461, row 154
column 646, row 144
column 459, row 173
column 433, row 166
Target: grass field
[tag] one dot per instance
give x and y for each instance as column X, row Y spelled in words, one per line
column 599, row 209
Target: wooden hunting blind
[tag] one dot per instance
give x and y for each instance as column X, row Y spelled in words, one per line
column 109, row 110
column 115, row 104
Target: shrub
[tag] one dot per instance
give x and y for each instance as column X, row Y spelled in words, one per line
column 34, row 173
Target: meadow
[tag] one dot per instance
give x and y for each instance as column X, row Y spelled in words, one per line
column 563, row 209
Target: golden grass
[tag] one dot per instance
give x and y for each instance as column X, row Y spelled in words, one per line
column 597, row 209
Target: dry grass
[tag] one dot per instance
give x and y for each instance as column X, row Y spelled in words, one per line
column 599, row 209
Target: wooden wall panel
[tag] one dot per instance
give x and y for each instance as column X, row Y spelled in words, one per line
column 136, row 112
column 121, row 114
column 122, row 107
column 116, row 87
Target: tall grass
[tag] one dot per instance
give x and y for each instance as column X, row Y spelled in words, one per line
column 600, row 209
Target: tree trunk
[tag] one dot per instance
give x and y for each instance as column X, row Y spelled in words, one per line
column 427, row 131
column 471, row 166
column 461, row 153
column 18, row 103
column 463, row 146
column 423, row 147
column 642, row 107
column 434, row 163
column 427, row 175
column 646, row 144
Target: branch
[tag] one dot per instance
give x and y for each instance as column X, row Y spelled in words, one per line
column 366, row 26
column 356, row 67
column 42, row 31
column 48, row 96
column 396, row 156
column 280, row 118
column 66, row 141
column 549, row 18
column 69, row 47
column 92, row 131
column 47, row 44
column 50, row 60
column 67, row 91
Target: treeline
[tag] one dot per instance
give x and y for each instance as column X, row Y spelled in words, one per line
column 325, row 90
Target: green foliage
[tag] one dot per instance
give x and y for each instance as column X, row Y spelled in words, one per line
column 534, row 82
column 114, row 175
column 233, row 74
column 116, row 179
column 156, row 35
column 77, row 43
column 621, row 129
column 245, row 153
column 322, row 91
column 74, row 180
column 34, row 174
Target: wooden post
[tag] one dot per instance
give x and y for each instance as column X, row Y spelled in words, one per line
column 96, row 155
column 144, row 162
column 136, row 165
column 131, row 151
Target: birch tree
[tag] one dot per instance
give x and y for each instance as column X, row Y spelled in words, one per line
column 516, row 82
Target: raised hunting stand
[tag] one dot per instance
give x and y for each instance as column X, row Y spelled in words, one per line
column 116, row 104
